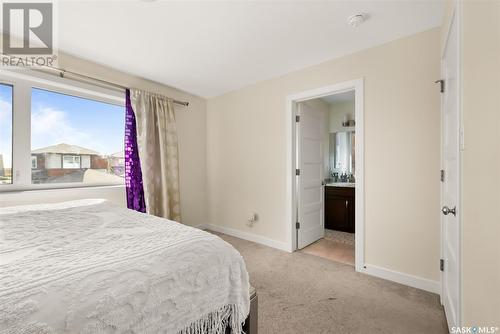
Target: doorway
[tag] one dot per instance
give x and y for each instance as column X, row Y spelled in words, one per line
column 312, row 169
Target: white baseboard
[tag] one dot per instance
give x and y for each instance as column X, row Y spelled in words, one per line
column 201, row 226
column 248, row 236
column 401, row 278
column 390, row 275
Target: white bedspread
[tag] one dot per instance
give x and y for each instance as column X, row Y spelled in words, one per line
column 92, row 267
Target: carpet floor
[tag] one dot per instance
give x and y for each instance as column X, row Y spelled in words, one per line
column 305, row 294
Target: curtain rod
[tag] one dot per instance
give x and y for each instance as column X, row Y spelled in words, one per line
column 62, row 73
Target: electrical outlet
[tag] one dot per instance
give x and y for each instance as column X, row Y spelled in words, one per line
column 252, row 219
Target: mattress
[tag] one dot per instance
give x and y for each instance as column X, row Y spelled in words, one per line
column 92, row 267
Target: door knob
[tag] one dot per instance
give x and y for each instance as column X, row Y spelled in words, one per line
column 446, row 210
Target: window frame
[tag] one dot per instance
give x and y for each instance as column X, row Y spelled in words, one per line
column 12, row 139
column 22, row 83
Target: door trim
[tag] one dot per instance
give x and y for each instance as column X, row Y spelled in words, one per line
column 291, row 188
column 456, row 17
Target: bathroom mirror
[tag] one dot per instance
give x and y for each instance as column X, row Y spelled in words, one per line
column 342, row 157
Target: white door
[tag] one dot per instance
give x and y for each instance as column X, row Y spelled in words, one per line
column 310, row 213
column 450, row 226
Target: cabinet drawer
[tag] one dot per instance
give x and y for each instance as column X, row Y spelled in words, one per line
column 339, row 191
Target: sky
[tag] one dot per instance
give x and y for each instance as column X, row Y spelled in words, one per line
column 58, row 118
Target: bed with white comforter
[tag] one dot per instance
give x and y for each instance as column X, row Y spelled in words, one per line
column 92, row 267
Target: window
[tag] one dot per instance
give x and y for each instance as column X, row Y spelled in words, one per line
column 71, row 162
column 76, row 131
column 76, row 139
column 5, row 134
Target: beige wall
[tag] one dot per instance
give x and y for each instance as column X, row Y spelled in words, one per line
column 337, row 112
column 246, row 151
column 481, row 163
column 191, row 125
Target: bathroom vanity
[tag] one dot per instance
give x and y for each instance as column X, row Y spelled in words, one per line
column 339, row 207
column 339, row 195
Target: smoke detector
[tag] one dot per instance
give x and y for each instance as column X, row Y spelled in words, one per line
column 356, row 19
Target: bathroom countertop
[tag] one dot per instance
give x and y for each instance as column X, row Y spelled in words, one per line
column 341, row 184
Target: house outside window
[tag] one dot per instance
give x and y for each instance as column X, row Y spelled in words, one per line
column 72, row 163
column 33, row 162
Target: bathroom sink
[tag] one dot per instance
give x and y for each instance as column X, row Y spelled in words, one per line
column 341, row 184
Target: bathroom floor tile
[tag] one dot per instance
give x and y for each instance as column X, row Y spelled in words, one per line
column 331, row 250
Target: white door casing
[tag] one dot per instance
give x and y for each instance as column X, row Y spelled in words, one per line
column 450, row 190
column 310, row 130
column 292, row 189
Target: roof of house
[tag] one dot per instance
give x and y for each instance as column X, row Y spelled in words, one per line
column 120, row 154
column 65, row 149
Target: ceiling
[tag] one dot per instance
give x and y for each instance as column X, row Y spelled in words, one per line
column 339, row 98
column 209, row 48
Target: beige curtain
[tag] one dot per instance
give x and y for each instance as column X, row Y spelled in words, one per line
column 158, row 152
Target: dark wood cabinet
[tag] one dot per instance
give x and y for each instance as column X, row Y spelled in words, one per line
column 339, row 208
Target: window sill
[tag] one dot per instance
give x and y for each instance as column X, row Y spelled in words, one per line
column 11, row 188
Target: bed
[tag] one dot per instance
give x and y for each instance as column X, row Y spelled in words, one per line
column 90, row 266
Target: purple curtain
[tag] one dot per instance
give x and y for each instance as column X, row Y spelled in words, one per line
column 133, row 173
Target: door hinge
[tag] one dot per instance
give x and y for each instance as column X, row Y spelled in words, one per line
column 441, row 85
column 297, row 171
column 442, row 175
column 297, row 225
column 441, row 264
column 297, row 118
